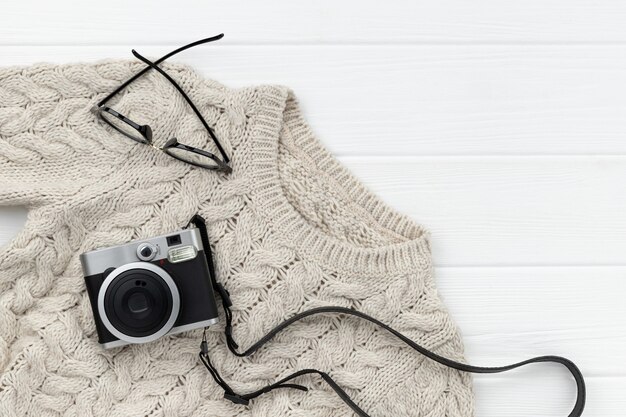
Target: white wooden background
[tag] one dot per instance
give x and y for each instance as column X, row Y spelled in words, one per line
column 501, row 125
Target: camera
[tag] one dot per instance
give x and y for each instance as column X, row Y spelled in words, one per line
column 146, row 289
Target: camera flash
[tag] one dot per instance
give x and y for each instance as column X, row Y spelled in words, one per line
column 181, row 254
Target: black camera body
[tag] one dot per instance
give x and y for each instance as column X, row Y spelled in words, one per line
column 146, row 289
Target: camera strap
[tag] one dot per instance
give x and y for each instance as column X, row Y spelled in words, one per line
column 244, row 399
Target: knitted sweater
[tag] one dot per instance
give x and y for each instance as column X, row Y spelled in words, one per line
column 291, row 229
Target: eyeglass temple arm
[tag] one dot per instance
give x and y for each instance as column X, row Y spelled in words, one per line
column 188, row 100
column 158, row 61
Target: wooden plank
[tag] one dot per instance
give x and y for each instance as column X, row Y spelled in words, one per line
column 546, row 393
column 424, row 100
column 322, row 21
column 509, row 314
column 534, row 299
column 509, row 210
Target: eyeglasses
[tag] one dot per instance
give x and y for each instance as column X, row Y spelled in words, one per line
column 143, row 133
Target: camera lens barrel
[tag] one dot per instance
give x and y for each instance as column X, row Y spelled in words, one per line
column 138, row 302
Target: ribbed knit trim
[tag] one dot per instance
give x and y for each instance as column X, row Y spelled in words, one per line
column 275, row 107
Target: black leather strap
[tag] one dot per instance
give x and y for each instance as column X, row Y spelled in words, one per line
column 244, row 399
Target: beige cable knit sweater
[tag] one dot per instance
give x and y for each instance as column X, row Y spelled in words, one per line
column 291, row 229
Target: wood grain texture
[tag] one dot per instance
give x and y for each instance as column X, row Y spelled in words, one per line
column 511, row 313
column 498, row 125
column 323, row 21
column 509, row 210
column 542, row 393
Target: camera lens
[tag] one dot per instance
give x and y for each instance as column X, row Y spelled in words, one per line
column 139, row 303
column 146, row 251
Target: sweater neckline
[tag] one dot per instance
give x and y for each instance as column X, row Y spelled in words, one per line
column 276, row 107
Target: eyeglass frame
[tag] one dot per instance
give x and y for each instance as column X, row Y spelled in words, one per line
column 146, row 131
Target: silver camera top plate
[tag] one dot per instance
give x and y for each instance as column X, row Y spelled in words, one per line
column 99, row 260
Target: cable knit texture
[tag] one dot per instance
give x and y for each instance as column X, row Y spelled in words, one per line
column 291, row 229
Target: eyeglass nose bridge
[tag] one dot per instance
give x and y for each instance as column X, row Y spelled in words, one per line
column 171, row 143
